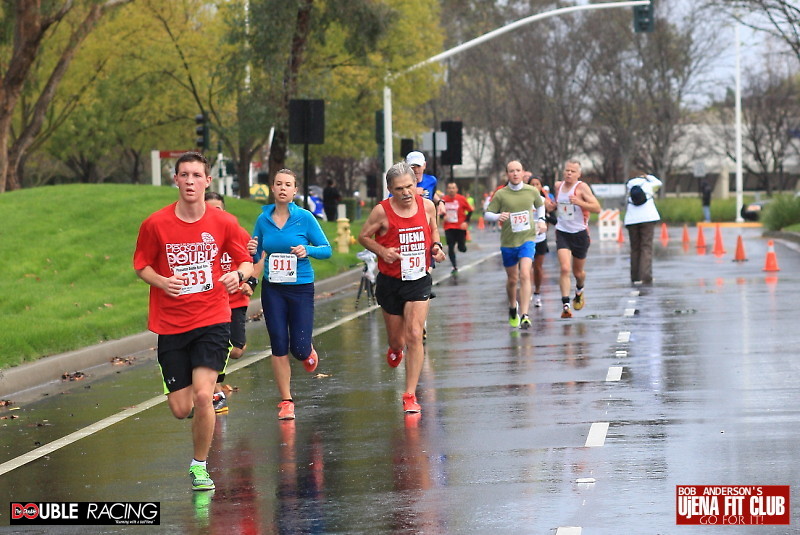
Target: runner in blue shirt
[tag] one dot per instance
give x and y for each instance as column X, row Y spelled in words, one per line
column 287, row 236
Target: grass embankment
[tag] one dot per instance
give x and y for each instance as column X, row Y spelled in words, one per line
column 67, row 275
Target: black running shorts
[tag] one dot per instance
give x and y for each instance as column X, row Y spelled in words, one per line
column 179, row 354
column 577, row 242
column 392, row 294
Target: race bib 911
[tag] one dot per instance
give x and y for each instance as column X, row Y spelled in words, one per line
column 282, row 267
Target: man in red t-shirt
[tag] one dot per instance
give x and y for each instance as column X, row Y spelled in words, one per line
column 178, row 254
column 402, row 231
column 457, row 211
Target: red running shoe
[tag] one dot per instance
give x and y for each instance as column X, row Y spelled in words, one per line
column 394, row 358
column 310, row 364
column 410, row 403
column 286, row 410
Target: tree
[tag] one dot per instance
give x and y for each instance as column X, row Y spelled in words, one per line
column 338, row 50
column 640, row 87
column 770, row 110
column 118, row 102
column 779, row 18
column 35, row 24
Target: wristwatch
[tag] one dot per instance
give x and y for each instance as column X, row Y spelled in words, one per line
column 253, row 282
column 441, row 247
column 241, row 276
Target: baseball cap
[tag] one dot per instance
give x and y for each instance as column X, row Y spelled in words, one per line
column 415, row 158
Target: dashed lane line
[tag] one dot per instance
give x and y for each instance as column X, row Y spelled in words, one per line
column 614, row 373
column 597, row 435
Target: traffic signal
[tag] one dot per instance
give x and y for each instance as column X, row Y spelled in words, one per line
column 452, row 156
column 406, row 146
column 203, row 140
column 643, row 18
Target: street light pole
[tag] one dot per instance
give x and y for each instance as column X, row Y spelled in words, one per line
column 388, row 157
column 738, row 119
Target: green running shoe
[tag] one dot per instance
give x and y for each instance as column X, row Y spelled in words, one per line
column 200, row 478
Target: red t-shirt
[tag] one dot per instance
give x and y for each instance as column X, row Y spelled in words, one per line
column 456, row 209
column 411, row 236
column 237, row 299
column 170, row 245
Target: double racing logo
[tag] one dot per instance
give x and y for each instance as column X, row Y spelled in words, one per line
column 181, row 254
column 86, row 513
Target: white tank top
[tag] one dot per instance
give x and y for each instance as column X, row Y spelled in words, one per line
column 570, row 216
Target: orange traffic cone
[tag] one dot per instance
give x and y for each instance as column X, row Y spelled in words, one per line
column 620, row 236
column 719, row 249
column 772, row 261
column 469, row 238
column 664, row 234
column 739, row 256
column 686, row 239
column 701, row 239
column 481, row 224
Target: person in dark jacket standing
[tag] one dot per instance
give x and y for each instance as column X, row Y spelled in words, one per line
column 330, row 200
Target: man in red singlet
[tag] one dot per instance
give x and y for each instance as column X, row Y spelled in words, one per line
column 402, row 231
column 178, row 254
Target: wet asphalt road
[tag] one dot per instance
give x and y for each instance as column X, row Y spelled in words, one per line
column 706, row 393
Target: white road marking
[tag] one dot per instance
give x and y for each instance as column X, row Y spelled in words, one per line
column 569, row 530
column 621, row 353
column 623, row 337
column 614, row 373
column 597, row 435
column 629, row 312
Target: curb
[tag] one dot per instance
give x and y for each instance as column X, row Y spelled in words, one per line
column 48, row 371
column 781, row 235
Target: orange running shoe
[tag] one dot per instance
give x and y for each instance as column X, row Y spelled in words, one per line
column 566, row 312
column 310, row 364
column 394, row 358
column 286, row 410
column 410, row 403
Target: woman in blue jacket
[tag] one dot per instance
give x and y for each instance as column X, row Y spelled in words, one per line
column 287, row 237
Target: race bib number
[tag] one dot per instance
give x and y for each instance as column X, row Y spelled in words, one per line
column 412, row 265
column 197, row 277
column 566, row 211
column 520, row 221
column 451, row 212
column 282, row 267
